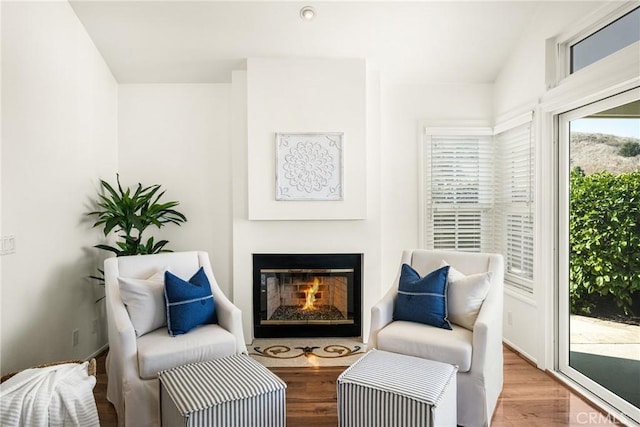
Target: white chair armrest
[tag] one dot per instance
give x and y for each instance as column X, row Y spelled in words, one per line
column 124, row 348
column 381, row 316
column 487, row 334
column 230, row 318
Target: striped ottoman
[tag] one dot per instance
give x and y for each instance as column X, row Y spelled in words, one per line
column 394, row 390
column 231, row 391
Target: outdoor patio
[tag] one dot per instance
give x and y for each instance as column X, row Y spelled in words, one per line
column 609, row 353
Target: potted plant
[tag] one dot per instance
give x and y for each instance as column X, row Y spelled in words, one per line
column 129, row 213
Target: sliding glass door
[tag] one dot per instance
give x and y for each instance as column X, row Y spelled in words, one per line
column 599, row 249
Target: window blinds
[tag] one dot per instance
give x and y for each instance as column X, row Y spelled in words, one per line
column 515, row 201
column 478, row 193
column 459, row 192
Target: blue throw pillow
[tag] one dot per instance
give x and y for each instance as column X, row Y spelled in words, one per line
column 422, row 299
column 189, row 304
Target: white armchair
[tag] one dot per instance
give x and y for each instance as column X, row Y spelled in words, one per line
column 134, row 361
column 478, row 353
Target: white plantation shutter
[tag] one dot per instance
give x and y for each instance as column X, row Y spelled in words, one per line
column 478, row 193
column 515, row 204
column 459, row 229
column 458, row 184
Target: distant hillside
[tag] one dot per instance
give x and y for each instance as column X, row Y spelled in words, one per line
column 597, row 152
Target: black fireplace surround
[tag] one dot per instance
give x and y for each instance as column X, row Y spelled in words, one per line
column 307, row 295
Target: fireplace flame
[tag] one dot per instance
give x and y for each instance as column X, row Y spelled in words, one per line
column 310, row 295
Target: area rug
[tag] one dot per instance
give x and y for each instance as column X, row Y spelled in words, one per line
column 306, row 352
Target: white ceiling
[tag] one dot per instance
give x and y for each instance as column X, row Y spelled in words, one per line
column 202, row 42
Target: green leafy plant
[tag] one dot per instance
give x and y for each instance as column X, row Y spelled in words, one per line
column 128, row 213
column 605, row 239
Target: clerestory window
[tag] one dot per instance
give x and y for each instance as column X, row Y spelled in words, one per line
column 615, row 36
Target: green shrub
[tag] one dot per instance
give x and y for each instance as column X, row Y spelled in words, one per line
column 630, row 149
column 604, row 228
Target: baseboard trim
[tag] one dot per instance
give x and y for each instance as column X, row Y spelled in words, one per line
column 520, row 352
column 592, row 399
column 98, row 352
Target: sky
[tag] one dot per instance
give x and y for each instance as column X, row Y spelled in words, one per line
column 618, row 127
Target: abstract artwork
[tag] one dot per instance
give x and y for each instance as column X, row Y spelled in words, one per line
column 309, row 166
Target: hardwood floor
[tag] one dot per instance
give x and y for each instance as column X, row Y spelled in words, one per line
column 106, row 411
column 530, row 397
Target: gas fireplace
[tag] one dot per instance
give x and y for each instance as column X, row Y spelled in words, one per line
column 307, row 295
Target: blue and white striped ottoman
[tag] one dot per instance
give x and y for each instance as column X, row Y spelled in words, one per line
column 394, row 390
column 234, row 391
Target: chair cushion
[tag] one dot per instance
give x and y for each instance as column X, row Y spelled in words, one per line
column 158, row 350
column 144, row 299
column 428, row 342
column 422, row 299
column 465, row 295
column 189, row 304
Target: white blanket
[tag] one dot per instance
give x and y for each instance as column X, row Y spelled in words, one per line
column 60, row 395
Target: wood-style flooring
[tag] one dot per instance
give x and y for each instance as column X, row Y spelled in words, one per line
column 530, row 397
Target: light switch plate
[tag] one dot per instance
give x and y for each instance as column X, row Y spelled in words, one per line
column 8, row 245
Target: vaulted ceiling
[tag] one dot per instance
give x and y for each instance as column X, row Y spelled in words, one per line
column 203, row 41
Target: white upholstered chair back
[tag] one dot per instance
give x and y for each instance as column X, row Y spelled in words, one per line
column 479, row 388
column 136, row 398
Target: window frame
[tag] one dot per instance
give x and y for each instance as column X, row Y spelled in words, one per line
column 494, row 237
column 560, row 128
column 517, row 282
column 608, row 77
column 558, row 49
column 615, row 28
column 429, row 131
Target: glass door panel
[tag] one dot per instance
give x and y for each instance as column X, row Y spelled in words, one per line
column 599, row 265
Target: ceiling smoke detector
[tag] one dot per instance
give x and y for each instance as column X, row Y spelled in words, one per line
column 307, row 13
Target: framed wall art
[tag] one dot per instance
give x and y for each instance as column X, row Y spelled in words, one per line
column 309, row 166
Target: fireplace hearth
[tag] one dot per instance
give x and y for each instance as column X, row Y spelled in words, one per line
column 307, row 295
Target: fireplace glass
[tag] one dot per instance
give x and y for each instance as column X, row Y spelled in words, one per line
column 307, row 295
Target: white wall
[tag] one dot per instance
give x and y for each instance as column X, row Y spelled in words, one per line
column 521, row 80
column 59, row 136
column 306, row 96
column 357, row 236
column 404, row 108
column 177, row 135
column 1, row 170
column 193, row 140
column 521, row 83
column 393, row 115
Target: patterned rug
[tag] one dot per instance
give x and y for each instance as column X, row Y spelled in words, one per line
column 306, row 352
